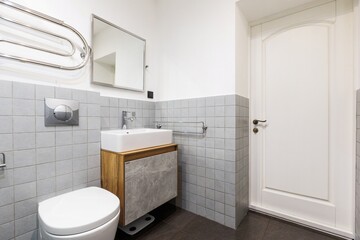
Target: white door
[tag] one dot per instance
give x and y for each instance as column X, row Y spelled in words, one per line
column 302, row 85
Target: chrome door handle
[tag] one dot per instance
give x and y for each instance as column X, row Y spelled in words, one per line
column 256, row 121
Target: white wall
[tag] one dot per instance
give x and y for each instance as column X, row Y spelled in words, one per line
column 191, row 46
column 242, row 49
column 197, row 55
column 137, row 16
column 357, row 43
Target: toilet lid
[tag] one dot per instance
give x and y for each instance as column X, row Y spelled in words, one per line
column 78, row 211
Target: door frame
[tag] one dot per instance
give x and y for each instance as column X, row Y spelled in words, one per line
column 255, row 191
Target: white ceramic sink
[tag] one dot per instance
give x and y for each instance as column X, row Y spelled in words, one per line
column 122, row 140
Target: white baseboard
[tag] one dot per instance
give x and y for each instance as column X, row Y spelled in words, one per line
column 313, row 225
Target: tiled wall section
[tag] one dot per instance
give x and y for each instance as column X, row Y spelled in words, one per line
column 42, row 161
column 357, row 185
column 213, row 169
column 111, row 113
column 242, row 158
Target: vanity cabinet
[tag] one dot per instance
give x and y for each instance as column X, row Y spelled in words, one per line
column 143, row 179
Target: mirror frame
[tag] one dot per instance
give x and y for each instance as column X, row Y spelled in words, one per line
column 93, row 17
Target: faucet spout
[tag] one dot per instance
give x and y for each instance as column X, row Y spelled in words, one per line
column 125, row 118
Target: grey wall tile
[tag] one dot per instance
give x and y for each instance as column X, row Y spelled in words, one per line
column 25, row 224
column 9, row 160
column 63, row 182
column 45, row 139
column 93, row 174
column 40, row 125
column 64, row 167
column 42, row 92
column 63, row 93
column 25, row 208
column 33, row 235
column 24, row 124
column 94, row 123
column 40, row 108
column 6, row 196
column 24, row 141
column 6, row 89
column 80, row 150
column 79, row 95
column 6, row 125
column 45, row 186
column 80, row 177
column 83, row 110
column 80, row 164
column 64, row 153
column 46, row 170
column 93, row 97
column 6, row 214
column 44, row 155
column 23, row 90
column 93, row 136
column 6, row 106
column 81, row 136
column 93, row 110
column 114, row 102
column 6, row 178
column 94, row 148
column 25, row 191
column 104, row 101
column 7, row 230
column 23, row 107
column 24, row 174
column 6, row 142
column 64, row 138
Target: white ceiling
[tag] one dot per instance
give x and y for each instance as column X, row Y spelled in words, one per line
column 255, row 10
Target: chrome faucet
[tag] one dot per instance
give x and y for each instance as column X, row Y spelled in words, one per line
column 126, row 117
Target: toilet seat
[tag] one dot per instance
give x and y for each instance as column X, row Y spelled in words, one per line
column 78, row 211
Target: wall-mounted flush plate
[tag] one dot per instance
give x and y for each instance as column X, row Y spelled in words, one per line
column 61, row 112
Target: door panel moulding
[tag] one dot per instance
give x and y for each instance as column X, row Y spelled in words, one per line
column 289, row 12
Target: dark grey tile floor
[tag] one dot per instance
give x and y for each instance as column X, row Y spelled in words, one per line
column 176, row 224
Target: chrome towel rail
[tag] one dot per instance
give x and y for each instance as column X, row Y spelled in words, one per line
column 159, row 124
column 3, row 164
column 85, row 52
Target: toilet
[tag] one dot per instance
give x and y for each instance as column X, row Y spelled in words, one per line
column 86, row 214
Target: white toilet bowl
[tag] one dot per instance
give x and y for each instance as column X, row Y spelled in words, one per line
column 86, row 214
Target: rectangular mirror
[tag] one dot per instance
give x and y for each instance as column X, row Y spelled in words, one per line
column 118, row 58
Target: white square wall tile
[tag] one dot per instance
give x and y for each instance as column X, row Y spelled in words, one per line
column 25, row 208
column 23, row 107
column 6, row 213
column 23, row 90
column 23, row 141
column 6, row 106
column 25, row 191
column 24, row 174
column 6, row 196
column 6, row 125
column 6, row 89
column 7, row 230
column 25, row 224
column 6, row 142
column 42, row 92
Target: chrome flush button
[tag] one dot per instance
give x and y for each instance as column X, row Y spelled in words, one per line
column 63, row 113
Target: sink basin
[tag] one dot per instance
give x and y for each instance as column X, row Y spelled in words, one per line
column 122, row 140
